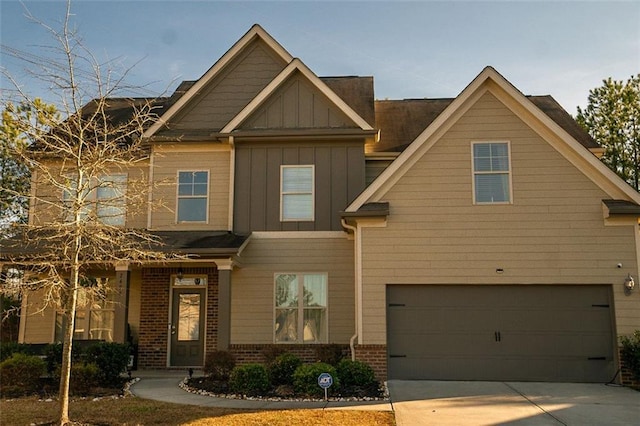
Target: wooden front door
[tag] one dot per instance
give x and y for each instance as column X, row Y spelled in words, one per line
column 187, row 326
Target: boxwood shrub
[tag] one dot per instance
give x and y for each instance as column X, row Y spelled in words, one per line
column 282, row 368
column 630, row 353
column 305, row 379
column 357, row 378
column 219, row 364
column 249, row 380
column 21, row 374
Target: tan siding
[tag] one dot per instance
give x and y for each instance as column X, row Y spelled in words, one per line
column 48, row 197
column 39, row 321
column 212, row 157
column 252, row 285
column 553, row 233
column 226, row 95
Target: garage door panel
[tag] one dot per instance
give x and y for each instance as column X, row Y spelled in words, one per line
column 549, row 333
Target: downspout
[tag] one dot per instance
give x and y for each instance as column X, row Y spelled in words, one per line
column 358, row 286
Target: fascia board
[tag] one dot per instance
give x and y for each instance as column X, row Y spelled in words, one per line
column 255, row 31
column 420, row 145
column 295, row 65
column 559, row 138
column 423, row 142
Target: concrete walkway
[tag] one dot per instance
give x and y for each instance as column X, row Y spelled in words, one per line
column 163, row 386
column 523, row 404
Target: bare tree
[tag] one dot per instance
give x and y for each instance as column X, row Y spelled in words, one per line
column 88, row 175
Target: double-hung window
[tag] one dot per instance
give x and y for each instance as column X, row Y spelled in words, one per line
column 491, row 172
column 103, row 198
column 193, row 196
column 300, row 308
column 296, row 193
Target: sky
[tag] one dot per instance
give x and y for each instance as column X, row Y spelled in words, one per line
column 417, row 49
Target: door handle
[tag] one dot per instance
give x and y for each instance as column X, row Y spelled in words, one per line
column 497, row 336
column 173, row 329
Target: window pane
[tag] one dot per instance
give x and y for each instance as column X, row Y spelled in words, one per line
column 286, row 325
column 297, row 179
column 297, row 207
column 315, row 290
column 314, row 325
column 492, row 188
column 192, row 210
column 101, row 325
column 189, row 317
column 286, row 290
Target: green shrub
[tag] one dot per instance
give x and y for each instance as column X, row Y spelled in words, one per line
column 20, row 374
column 329, row 354
column 250, row 380
column 282, row 368
column 111, row 359
column 630, row 353
column 305, row 379
column 83, row 378
column 357, row 379
column 218, row 365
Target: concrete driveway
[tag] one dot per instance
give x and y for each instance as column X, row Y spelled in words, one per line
column 513, row 403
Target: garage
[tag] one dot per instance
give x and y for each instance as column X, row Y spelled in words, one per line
column 555, row 333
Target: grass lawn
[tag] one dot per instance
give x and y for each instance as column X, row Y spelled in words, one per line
column 136, row 411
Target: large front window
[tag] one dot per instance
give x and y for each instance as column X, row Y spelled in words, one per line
column 95, row 316
column 491, row 172
column 301, row 308
column 193, row 196
column 296, row 193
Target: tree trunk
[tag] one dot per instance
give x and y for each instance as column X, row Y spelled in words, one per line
column 65, row 368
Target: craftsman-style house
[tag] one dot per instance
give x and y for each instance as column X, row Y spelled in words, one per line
column 477, row 237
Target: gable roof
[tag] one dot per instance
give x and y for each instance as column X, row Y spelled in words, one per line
column 296, row 65
column 256, row 31
column 401, row 121
column 489, row 80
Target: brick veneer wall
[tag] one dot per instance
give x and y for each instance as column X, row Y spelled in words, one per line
column 626, row 377
column 246, row 353
column 154, row 313
column 376, row 357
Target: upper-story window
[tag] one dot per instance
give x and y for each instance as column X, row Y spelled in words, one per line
column 103, row 197
column 296, row 193
column 491, row 173
column 193, row 196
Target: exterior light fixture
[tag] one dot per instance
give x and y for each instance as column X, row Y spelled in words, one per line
column 629, row 283
column 180, row 274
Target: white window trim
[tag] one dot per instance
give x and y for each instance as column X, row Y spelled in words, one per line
column 206, row 221
column 300, row 308
column 473, row 174
column 313, row 192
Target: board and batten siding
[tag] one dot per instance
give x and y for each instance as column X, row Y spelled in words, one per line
column 553, row 233
column 168, row 160
column 253, row 285
column 231, row 90
column 339, row 178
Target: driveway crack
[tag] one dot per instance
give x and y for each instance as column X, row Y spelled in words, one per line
column 534, row 403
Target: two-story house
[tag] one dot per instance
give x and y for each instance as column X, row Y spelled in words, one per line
column 477, row 237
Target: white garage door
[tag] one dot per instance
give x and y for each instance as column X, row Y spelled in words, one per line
column 525, row 332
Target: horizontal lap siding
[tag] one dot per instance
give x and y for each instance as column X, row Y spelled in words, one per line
column 252, row 285
column 166, row 165
column 553, row 233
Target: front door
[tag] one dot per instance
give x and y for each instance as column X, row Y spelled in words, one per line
column 187, row 326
